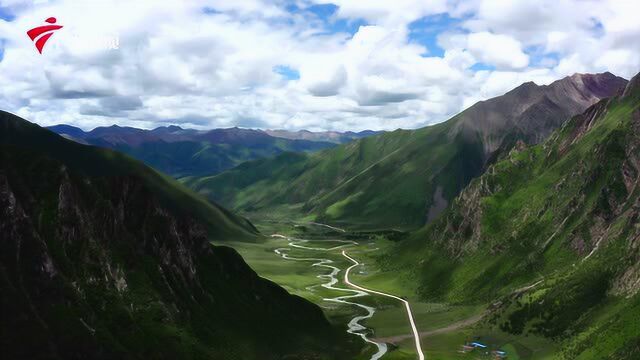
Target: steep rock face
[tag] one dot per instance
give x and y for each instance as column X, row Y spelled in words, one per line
column 532, row 112
column 99, row 266
column 550, row 235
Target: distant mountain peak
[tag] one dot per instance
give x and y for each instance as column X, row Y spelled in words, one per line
column 68, row 131
column 169, row 127
column 605, row 74
column 65, row 126
column 336, row 137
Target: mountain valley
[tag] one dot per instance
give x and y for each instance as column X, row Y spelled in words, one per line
column 405, row 178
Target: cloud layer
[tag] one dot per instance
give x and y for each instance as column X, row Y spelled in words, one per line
column 299, row 64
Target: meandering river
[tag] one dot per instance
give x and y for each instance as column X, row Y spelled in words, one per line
column 330, row 280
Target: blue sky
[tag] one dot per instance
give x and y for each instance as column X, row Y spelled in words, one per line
column 287, row 72
column 5, row 14
column 303, row 64
column 423, row 31
column 332, row 24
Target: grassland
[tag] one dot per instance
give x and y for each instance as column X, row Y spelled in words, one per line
column 441, row 341
column 355, row 183
column 401, row 178
column 558, row 219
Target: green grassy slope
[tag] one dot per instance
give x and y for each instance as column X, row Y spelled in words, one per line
column 402, row 179
column 550, row 236
column 103, row 258
column 96, row 161
column 356, row 183
column 299, row 178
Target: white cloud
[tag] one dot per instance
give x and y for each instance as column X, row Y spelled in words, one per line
column 577, row 32
column 324, row 81
column 502, row 51
column 388, row 13
column 211, row 63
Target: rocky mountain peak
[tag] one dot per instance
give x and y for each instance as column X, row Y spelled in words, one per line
column 533, row 111
column 600, row 85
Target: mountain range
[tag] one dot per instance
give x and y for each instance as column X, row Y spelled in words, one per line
column 405, row 178
column 528, row 203
column 188, row 152
column 549, row 235
column 102, row 257
column 328, row 136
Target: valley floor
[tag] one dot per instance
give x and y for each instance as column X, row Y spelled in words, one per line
column 307, row 260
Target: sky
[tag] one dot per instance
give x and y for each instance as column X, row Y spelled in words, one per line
column 298, row 64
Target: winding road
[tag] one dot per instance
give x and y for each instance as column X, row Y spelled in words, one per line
column 354, row 326
column 416, row 334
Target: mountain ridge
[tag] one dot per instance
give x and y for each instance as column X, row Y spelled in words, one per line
column 403, row 179
column 548, row 235
column 330, row 136
column 103, row 258
column 94, row 161
column 189, row 152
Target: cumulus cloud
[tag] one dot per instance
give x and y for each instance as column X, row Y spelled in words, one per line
column 214, row 63
column 327, row 85
column 502, row 51
column 111, row 106
column 577, row 33
column 392, row 14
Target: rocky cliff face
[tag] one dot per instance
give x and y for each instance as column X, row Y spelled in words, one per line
column 101, row 267
column 550, row 235
column 609, row 127
column 530, row 112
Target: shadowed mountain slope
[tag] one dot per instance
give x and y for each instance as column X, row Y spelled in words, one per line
column 103, row 258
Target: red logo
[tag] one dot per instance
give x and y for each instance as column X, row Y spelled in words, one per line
column 43, row 33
